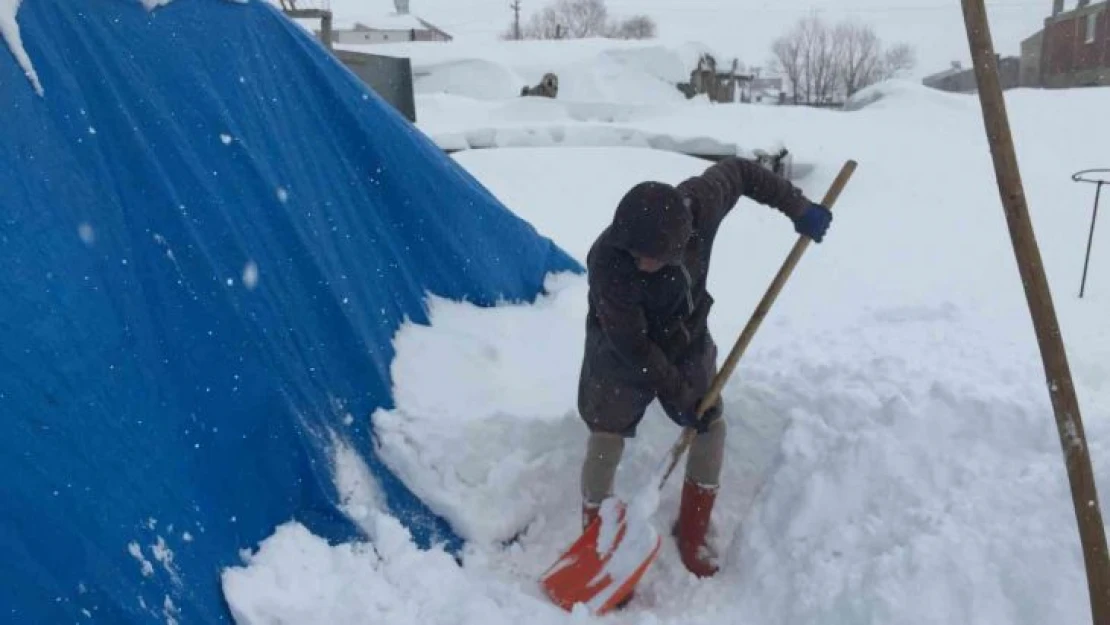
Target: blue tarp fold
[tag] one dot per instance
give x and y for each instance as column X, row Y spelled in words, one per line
column 209, row 233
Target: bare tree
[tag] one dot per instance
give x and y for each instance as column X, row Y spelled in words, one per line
column 807, row 55
column 585, row 18
column 570, row 19
column 898, row 59
column 544, row 25
column 787, row 59
column 577, row 19
column 806, row 34
column 818, row 53
column 824, row 51
column 824, row 64
column 636, row 27
column 861, row 56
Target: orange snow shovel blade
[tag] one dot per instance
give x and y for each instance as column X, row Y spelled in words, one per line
column 603, row 566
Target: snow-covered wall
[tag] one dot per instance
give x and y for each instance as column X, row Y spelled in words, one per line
column 594, row 70
column 209, row 233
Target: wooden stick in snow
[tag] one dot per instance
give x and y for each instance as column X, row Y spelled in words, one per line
column 1065, row 404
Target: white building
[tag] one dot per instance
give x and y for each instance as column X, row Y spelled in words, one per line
column 390, row 28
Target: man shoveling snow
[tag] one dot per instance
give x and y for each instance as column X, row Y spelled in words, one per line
column 647, row 336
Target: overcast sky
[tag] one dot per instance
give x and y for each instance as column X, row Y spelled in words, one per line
column 746, row 28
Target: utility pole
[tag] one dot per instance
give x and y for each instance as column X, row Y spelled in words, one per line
column 516, row 19
column 1061, row 390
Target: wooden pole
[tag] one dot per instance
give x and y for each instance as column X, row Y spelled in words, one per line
column 1065, row 404
column 515, row 6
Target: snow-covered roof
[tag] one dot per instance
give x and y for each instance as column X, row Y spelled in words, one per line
column 951, row 71
column 392, row 21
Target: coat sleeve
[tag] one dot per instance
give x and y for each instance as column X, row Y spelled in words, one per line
column 622, row 320
column 716, row 191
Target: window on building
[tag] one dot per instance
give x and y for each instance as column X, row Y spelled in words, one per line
column 1092, row 22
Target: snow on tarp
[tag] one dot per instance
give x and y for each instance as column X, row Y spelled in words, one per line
column 210, row 232
column 9, row 31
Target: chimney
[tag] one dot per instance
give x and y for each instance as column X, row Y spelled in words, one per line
column 1057, row 7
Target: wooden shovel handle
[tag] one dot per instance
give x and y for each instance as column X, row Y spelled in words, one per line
column 753, row 324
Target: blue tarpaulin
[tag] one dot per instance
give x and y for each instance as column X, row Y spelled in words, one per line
column 209, row 233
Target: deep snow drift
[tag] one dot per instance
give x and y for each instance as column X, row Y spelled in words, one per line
column 610, row 94
column 589, row 70
column 892, row 455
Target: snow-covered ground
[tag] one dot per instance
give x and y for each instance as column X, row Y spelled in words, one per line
column 892, row 455
column 611, row 94
column 589, row 70
column 468, row 93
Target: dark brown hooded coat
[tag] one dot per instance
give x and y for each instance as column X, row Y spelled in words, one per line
column 646, row 333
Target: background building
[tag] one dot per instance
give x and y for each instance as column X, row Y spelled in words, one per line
column 390, row 28
column 959, row 79
column 1072, row 50
column 1076, row 46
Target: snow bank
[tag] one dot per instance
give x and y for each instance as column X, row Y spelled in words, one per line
column 552, row 135
column 510, row 372
column 892, row 455
column 899, row 94
column 588, row 71
column 386, row 582
column 458, row 123
column 611, row 93
column 473, row 78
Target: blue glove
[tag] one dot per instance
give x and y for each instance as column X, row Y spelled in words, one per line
column 682, row 405
column 689, row 419
column 687, row 416
column 813, row 222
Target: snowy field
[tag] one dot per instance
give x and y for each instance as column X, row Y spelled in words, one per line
column 892, row 454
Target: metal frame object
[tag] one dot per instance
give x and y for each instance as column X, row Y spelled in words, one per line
column 1097, row 177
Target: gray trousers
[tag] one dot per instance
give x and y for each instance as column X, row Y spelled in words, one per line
column 613, row 408
column 612, row 399
column 603, row 453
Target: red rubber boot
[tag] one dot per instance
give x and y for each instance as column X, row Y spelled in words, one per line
column 692, row 526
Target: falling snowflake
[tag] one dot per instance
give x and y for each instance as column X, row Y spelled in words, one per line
column 250, row 275
column 87, row 234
